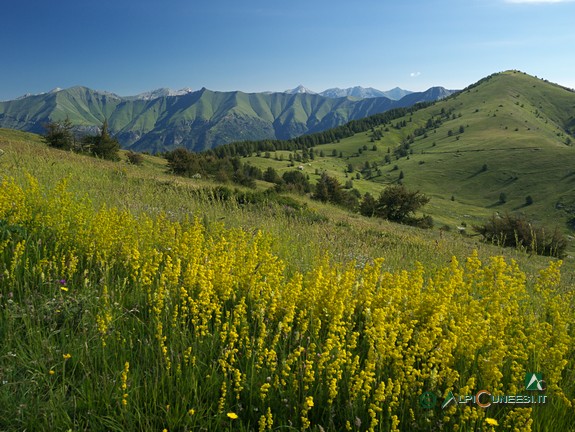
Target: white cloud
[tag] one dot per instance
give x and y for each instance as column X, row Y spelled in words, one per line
column 414, row 74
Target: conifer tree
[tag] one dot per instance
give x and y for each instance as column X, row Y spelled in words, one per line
column 59, row 134
column 104, row 145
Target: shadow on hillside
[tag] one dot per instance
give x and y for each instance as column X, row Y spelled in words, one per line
column 495, row 204
column 522, row 206
column 476, row 173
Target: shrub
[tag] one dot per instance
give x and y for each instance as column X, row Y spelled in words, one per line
column 295, row 181
column 181, row 161
column 368, row 205
column 329, row 189
column 271, row 176
column 516, row 231
column 135, row 158
column 396, row 204
column 59, row 134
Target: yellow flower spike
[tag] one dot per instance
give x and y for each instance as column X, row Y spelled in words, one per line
column 309, row 401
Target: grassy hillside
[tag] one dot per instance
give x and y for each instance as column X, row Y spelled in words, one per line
column 149, row 188
column 131, row 299
column 508, row 134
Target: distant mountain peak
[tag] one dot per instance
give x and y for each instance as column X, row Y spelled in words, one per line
column 53, row 91
column 300, row 89
column 161, row 92
column 365, row 93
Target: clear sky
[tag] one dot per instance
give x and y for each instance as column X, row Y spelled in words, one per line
column 131, row 46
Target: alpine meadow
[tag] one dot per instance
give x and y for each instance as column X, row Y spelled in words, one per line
column 407, row 269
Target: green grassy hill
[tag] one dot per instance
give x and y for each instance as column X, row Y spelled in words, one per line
column 510, row 134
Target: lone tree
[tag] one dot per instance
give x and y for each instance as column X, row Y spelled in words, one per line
column 59, row 134
column 396, row 204
column 103, row 145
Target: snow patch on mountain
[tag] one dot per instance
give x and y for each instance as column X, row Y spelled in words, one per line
column 161, row 92
column 300, row 90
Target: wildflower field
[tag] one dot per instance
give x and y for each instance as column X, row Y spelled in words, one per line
column 112, row 319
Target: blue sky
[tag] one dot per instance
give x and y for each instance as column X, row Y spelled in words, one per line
column 129, row 46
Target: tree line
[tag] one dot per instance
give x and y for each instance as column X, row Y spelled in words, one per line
column 247, row 148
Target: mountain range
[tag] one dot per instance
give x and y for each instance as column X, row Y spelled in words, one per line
column 357, row 92
column 162, row 120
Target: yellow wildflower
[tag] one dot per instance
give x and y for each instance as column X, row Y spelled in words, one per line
column 491, row 421
column 67, row 356
column 232, row 415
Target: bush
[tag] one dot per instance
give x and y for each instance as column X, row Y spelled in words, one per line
column 516, row 231
column 59, row 134
column 271, row 176
column 135, row 158
column 397, row 204
column 182, row 162
column 329, row 189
